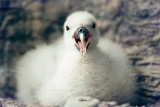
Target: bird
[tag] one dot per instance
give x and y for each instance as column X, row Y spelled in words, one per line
column 80, row 63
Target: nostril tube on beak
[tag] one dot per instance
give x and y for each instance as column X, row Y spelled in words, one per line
column 81, row 30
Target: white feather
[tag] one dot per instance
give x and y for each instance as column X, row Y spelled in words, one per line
column 53, row 73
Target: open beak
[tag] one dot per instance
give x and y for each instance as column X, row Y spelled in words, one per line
column 82, row 40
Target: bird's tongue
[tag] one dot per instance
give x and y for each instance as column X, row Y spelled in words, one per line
column 82, row 47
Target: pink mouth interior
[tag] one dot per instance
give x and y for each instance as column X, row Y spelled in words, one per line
column 79, row 44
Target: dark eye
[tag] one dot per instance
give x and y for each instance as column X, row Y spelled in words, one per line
column 93, row 25
column 67, row 28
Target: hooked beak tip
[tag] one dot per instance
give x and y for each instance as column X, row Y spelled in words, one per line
column 82, row 42
column 82, row 38
column 83, row 53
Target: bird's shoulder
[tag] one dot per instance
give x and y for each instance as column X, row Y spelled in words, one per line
column 42, row 52
column 111, row 48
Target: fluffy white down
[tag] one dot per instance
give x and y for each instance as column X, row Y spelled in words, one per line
column 53, row 73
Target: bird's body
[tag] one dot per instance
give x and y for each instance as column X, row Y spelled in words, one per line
column 53, row 73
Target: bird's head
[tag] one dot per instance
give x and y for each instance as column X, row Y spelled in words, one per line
column 80, row 31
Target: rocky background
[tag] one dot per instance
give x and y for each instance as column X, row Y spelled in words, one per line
column 135, row 24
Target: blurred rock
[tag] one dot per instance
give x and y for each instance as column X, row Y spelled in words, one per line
column 139, row 34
